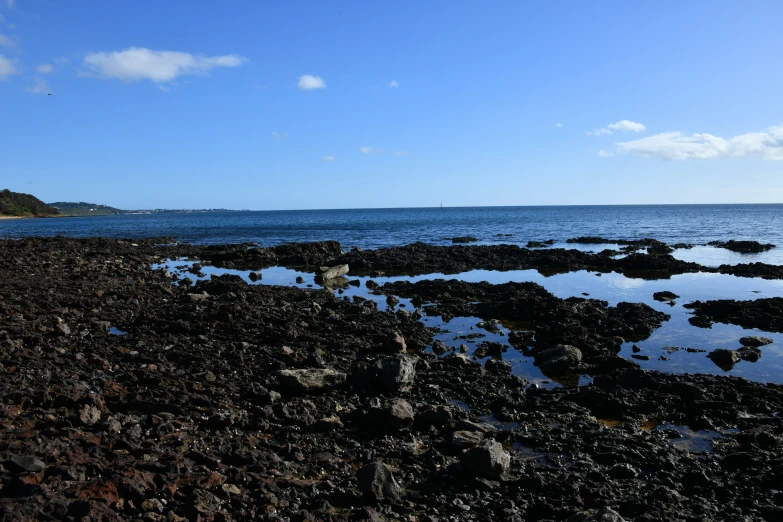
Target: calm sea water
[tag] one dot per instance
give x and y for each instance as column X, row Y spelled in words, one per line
column 373, row 228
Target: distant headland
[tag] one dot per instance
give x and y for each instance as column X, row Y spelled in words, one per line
column 19, row 205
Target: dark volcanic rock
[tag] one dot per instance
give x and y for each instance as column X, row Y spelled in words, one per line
column 376, row 480
column 25, row 463
column 743, row 247
column 750, row 353
column 311, row 380
column 488, row 459
column 463, row 239
column 724, row 358
column 764, row 314
column 753, row 340
column 396, row 372
column 187, row 417
column 665, row 296
column 540, row 244
column 597, row 329
column 559, row 359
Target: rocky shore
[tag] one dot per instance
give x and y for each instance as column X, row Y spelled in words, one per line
column 128, row 395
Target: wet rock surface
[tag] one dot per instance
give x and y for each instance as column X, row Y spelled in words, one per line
column 565, row 335
column 743, row 247
column 765, row 314
column 656, row 262
column 204, row 409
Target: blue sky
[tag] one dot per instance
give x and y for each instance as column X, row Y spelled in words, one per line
column 287, row 105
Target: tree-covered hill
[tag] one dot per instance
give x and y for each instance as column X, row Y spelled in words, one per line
column 70, row 208
column 18, row 204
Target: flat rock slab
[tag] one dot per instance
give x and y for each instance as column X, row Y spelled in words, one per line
column 311, row 380
column 755, row 341
column 25, row 463
column 331, row 272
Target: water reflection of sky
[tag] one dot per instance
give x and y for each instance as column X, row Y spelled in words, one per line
column 701, row 254
column 610, row 287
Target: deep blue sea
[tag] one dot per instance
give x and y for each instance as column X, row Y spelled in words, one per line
column 373, row 228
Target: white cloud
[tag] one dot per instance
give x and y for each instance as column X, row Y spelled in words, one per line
column 6, row 67
column 280, row 135
column 677, row 146
column 558, row 125
column 622, row 125
column 138, row 63
column 603, row 154
column 370, row 150
column 598, row 132
column 39, row 88
column 627, row 125
column 10, row 3
column 44, row 68
column 308, row 82
column 328, row 158
column 401, row 153
column 6, row 41
column 394, row 84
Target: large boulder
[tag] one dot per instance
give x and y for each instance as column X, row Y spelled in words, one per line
column 488, row 459
column 559, row 359
column 395, row 372
column 724, row 358
column 376, row 480
column 311, row 379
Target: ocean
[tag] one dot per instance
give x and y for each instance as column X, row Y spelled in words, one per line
column 374, row 228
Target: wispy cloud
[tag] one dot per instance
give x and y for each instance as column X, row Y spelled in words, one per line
column 394, row 84
column 280, row 135
column 678, row 146
column 328, row 158
column 5, row 41
column 401, row 153
column 10, row 3
column 622, row 125
column 558, row 125
column 39, row 88
column 6, row 68
column 627, row 125
column 603, row 154
column 44, row 68
column 137, row 63
column 309, row 82
column 370, row 150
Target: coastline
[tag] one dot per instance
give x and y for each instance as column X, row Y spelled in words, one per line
column 216, row 398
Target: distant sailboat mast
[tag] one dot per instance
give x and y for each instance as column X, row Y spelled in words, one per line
column 441, row 205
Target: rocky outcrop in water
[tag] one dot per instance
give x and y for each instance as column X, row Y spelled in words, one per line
column 743, row 247
column 594, row 328
column 764, row 314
